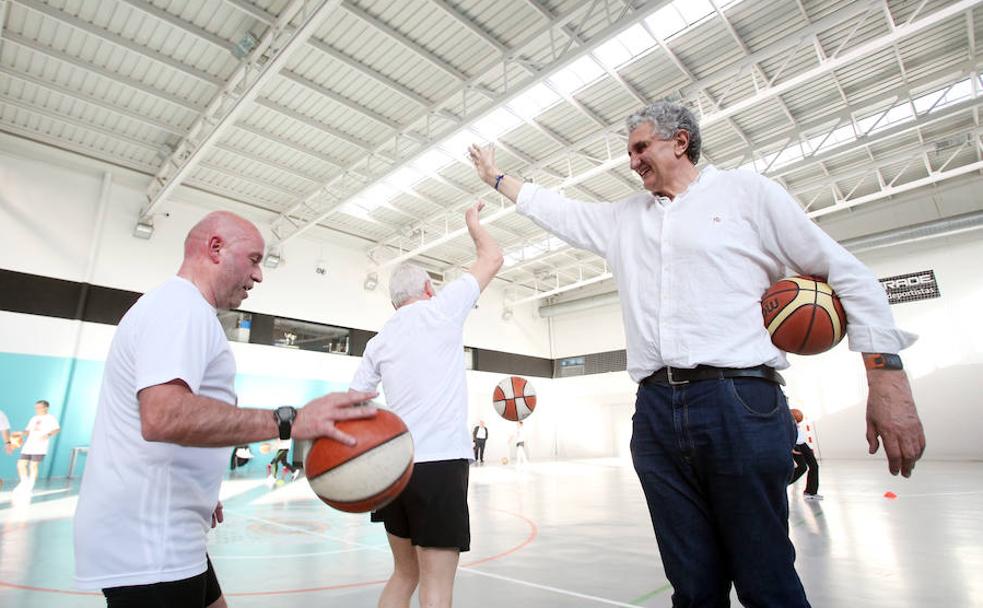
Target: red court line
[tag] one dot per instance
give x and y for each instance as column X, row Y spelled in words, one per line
column 533, row 533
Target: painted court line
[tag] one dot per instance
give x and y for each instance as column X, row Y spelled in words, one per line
column 280, row 555
column 306, row 531
column 549, row 588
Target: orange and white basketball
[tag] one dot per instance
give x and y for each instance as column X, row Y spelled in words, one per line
column 368, row 475
column 803, row 315
column 514, row 398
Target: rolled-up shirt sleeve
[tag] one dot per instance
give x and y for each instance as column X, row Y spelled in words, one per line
column 580, row 224
column 788, row 233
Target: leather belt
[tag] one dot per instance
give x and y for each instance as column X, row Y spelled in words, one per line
column 676, row 375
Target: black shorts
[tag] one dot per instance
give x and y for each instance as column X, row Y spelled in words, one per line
column 195, row 592
column 433, row 509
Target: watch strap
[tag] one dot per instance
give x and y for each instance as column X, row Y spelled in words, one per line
column 882, row 361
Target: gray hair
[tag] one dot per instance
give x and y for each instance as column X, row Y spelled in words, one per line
column 406, row 282
column 668, row 118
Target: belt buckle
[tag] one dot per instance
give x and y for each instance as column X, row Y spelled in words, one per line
column 674, row 382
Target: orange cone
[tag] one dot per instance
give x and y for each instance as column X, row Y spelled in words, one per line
column 890, row 495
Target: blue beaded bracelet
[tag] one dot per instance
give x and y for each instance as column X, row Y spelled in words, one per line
column 498, row 181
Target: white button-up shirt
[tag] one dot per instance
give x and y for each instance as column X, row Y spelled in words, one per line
column 691, row 271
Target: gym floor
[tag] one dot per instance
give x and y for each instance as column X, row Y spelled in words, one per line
column 571, row 534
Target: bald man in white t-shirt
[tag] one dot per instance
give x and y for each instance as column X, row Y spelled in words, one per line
column 419, row 358
column 167, row 412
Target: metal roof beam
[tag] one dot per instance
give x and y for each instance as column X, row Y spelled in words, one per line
column 314, row 124
column 500, row 100
column 91, row 99
column 118, row 40
column 88, row 67
column 262, row 64
column 368, row 72
column 339, row 99
column 473, row 27
column 253, row 11
column 189, row 28
column 404, row 41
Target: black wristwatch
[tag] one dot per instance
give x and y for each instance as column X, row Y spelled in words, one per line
column 284, row 417
column 882, row 361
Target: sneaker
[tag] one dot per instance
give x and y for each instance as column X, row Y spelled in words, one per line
column 270, row 481
column 295, row 474
column 816, row 497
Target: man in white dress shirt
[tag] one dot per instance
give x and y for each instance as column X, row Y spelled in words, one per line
column 692, row 254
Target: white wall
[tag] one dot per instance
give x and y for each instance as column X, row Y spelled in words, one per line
column 945, row 365
column 48, row 222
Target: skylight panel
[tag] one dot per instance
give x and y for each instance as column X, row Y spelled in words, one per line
column 407, row 177
column 693, row 10
column 432, row 161
column 625, row 46
column 666, row 21
column 496, row 124
column 575, row 76
column 457, row 145
column 534, row 101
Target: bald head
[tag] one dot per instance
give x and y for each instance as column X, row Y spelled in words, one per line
column 224, row 224
column 222, row 255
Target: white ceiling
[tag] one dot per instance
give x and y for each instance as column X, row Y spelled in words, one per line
column 356, row 115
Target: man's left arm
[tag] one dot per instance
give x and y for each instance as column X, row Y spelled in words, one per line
column 789, row 234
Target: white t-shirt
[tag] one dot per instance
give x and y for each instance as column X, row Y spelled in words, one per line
column 37, row 434
column 419, row 357
column 801, row 438
column 144, row 507
column 481, row 433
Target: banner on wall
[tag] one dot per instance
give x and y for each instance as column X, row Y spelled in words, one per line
column 911, row 287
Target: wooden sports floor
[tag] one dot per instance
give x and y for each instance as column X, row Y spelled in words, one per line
column 550, row 534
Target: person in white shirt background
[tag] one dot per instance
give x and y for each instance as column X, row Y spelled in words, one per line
column 419, row 358
column 8, row 445
column 691, row 255
column 519, row 438
column 38, row 433
column 805, row 459
column 167, row 412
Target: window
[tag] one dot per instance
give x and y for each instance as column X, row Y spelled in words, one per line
column 302, row 335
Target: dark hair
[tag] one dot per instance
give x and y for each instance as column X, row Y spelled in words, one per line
column 44, row 403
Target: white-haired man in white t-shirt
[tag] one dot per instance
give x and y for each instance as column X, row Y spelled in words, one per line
column 419, row 358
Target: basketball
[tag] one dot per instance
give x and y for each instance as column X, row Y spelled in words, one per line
column 797, row 415
column 803, row 315
column 368, row 475
column 514, row 398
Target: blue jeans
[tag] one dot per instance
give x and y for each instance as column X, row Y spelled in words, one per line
column 714, row 458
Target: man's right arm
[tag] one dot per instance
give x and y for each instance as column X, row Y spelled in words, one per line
column 490, row 258
column 171, row 413
column 581, row 224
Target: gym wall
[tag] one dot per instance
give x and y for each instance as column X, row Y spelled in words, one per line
column 52, row 224
column 945, row 365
